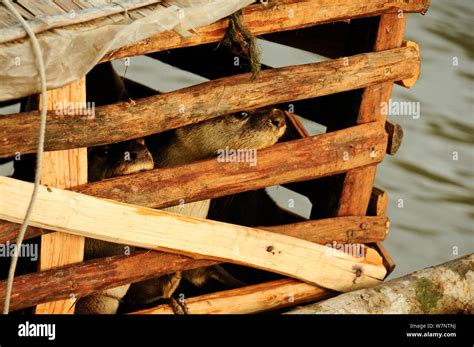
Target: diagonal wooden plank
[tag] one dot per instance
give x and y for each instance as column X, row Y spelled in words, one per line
column 83, row 215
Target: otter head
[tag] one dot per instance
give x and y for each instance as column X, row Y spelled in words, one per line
column 252, row 129
column 118, row 159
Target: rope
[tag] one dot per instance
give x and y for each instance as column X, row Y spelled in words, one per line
column 241, row 40
column 39, row 159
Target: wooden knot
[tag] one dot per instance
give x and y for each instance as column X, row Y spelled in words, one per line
column 358, row 273
column 350, row 234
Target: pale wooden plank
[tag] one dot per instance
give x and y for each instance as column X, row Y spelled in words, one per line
column 63, row 169
column 111, row 221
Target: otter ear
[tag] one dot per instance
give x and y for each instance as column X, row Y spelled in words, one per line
column 277, row 111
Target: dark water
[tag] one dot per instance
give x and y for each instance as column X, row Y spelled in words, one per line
column 436, row 222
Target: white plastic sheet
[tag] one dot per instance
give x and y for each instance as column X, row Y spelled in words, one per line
column 69, row 54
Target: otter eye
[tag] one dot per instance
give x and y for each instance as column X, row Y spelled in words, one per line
column 242, row 115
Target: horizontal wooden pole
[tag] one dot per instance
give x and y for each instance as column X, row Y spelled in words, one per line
column 252, row 299
column 353, row 229
column 281, row 16
column 410, row 82
column 79, row 280
column 82, row 279
column 124, row 121
column 311, row 158
column 111, row 221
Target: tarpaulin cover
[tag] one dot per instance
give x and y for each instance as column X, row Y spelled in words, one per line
column 70, row 52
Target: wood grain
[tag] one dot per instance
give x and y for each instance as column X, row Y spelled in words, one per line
column 83, row 215
column 358, row 183
column 256, row 298
column 395, row 137
column 81, row 279
column 123, row 121
column 63, row 169
column 313, row 157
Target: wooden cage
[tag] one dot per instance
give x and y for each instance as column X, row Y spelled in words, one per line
column 336, row 170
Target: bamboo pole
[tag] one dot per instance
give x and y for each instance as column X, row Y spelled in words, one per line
column 123, row 121
column 445, row 288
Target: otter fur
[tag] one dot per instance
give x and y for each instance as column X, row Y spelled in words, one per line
column 252, row 130
column 106, row 162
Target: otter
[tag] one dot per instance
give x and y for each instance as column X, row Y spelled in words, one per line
column 253, row 129
column 105, row 162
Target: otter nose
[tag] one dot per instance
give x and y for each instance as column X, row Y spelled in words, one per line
column 278, row 118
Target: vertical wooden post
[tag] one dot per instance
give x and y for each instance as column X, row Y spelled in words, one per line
column 358, row 183
column 63, row 169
